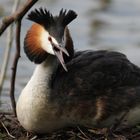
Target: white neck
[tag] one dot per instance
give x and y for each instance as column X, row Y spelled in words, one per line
column 42, row 75
column 33, row 108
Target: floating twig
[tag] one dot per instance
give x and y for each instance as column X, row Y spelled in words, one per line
column 6, row 22
column 17, row 15
column 33, row 138
column 7, row 131
column 8, row 48
column 14, row 68
column 86, row 137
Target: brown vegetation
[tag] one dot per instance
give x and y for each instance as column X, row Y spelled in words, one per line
column 11, row 129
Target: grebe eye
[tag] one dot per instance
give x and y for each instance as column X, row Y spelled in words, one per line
column 50, row 39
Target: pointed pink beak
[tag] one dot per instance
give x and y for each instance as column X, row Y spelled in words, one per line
column 58, row 50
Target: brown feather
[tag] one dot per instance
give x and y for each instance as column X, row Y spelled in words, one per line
column 32, row 44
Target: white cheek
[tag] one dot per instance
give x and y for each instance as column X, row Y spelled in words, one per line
column 45, row 43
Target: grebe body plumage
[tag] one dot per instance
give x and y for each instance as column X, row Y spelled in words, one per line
column 68, row 88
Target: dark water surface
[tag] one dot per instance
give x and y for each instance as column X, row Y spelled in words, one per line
column 113, row 25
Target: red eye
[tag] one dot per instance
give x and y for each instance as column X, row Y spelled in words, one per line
column 50, row 39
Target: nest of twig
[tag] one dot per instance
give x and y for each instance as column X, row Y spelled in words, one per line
column 11, row 129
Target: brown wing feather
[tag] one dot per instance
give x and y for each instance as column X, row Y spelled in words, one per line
column 100, row 83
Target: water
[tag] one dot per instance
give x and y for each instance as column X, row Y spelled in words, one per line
column 114, row 26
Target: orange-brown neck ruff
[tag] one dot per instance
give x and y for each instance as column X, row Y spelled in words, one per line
column 32, row 44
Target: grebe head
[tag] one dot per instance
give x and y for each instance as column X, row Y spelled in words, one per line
column 47, row 35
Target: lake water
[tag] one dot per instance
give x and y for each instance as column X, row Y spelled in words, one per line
column 101, row 24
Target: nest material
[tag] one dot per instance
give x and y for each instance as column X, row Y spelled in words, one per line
column 11, row 129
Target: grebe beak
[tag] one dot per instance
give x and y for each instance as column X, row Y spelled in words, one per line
column 59, row 50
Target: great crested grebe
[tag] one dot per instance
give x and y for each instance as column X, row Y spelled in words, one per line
column 67, row 88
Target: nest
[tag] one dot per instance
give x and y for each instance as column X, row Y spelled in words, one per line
column 11, row 129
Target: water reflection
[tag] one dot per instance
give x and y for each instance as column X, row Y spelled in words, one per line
column 117, row 27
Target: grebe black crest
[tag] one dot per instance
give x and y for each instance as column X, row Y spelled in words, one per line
column 98, row 87
column 45, row 18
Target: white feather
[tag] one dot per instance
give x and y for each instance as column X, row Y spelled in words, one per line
column 45, row 43
column 34, row 111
